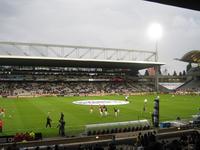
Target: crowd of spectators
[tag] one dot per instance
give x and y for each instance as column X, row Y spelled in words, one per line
column 144, row 141
column 71, row 88
column 149, row 141
column 42, row 82
column 188, row 91
column 21, row 137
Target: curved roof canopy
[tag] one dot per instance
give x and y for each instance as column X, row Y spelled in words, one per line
column 192, row 57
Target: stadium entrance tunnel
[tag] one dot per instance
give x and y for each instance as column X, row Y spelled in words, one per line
column 100, row 102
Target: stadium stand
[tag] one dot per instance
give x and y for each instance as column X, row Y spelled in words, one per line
column 150, row 139
column 192, row 85
column 69, row 89
column 31, row 81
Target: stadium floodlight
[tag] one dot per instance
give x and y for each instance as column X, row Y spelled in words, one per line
column 155, row 31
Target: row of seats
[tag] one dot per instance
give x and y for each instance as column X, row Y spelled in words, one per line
column 117, row 130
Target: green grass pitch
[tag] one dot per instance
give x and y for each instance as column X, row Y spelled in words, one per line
column 29, row 114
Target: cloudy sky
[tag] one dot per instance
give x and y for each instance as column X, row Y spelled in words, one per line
column 102, row 23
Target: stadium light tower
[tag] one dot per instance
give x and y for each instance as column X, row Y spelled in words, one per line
column 155, row 33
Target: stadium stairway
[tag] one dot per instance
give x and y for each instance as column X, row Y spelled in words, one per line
column 192, row 83
column 164, row 89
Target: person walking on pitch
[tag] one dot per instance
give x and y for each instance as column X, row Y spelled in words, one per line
column 48, row 123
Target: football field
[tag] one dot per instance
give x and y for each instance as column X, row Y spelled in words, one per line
column 29, row 114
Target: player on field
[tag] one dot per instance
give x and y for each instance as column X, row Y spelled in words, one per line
column 105, row 111
column 2, row 112
column 126, row 98
column 144, row 108
column 59, row 127
column 145, row 101
column 145, row 105
column 62, row 127
column 101, row 110
column 91, row 109
column 116, row 112
column 48, row 123
column 61, row 116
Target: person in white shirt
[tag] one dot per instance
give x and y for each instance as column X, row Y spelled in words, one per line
column 126, row 98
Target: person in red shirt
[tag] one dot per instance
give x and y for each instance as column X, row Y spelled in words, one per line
column 1, row 125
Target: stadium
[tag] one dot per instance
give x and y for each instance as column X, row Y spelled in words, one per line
column 34, row 87
column 93, row 98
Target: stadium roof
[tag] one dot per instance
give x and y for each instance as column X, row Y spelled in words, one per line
column 189, row 4
column 66, row 62
column 192, row 57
